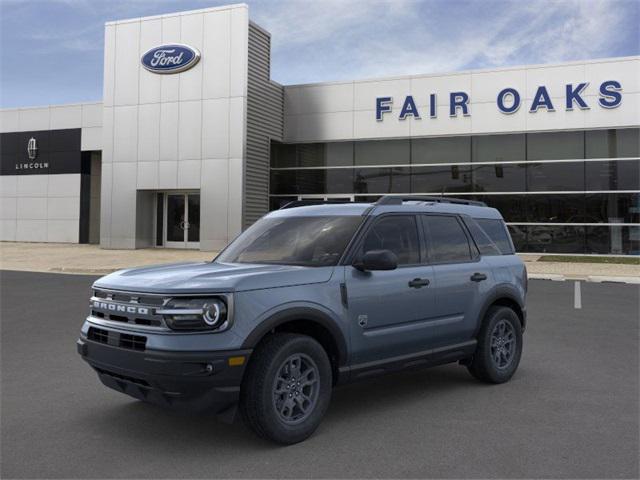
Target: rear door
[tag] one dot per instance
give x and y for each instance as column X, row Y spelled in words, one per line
column 461, row 277
column 390, row 311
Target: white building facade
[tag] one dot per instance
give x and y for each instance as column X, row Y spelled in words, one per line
column 190, row 157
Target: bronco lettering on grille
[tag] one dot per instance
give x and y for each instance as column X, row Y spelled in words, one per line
column 115, row 307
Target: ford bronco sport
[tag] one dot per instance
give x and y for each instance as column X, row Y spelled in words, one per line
column 310, row 297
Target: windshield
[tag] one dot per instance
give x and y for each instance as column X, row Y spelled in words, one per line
column 308, row 241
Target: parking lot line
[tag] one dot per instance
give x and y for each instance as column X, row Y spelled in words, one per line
column 577, row 295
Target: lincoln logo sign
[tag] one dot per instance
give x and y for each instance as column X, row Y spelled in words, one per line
column 172, row 58
column 508, row 101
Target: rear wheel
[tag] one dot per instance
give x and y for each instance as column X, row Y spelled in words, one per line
column 499, row 346
column 287, row 388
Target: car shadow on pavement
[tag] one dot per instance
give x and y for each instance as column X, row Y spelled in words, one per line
column 150, row 424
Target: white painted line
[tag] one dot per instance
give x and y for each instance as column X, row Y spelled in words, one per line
column 603, row 278
column 547, row 276
column 577, row 295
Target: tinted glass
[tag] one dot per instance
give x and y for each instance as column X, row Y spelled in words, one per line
column 499, row 148
column 612, row 208
column 447, row 240
column 441, row 150
column 497, row 232
column 481, row 239
column 613, row 175
column 382, row 152
column 544, row 177
column 397, row 233
column 306, row 241
column 307, row 182
column 613, row 143
column 613, row 240
column 555, row 208
column 499, row 178
column 283, row 155
column 549, row 238
column 555, row 145
column 382, row 180
column 513, row 208
column 446, row 178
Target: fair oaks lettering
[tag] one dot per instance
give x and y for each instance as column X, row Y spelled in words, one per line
column 508, row 101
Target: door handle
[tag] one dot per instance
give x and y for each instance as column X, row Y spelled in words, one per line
column 418, row 282
column 478, row 277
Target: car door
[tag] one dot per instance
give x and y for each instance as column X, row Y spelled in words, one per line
column 389, row 311
column 461, row 277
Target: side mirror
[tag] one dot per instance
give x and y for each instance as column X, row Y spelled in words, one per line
column 377, row 260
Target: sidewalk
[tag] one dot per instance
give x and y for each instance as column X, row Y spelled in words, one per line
column 90, row 259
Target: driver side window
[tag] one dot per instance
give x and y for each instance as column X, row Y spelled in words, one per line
column 397, row 233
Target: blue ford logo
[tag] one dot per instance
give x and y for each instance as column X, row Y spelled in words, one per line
column 172, row 58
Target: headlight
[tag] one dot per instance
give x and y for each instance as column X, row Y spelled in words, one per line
column 195, row 314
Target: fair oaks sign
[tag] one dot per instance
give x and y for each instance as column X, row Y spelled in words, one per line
column 508, row 101
column 173, row 58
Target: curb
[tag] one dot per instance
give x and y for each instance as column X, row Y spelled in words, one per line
column 588, row 278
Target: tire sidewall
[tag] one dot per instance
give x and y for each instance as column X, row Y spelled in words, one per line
column 271, row 420
column 501, row 375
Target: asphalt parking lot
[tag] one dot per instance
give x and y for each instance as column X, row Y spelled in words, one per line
column 571, row 411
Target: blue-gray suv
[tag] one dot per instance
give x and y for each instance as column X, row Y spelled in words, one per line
column 310, row 297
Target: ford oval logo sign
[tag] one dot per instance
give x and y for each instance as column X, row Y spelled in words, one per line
column 172, row 58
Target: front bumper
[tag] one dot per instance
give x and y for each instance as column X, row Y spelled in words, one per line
column 192, row 380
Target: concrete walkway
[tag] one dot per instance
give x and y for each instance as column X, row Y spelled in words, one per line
column 71, row 258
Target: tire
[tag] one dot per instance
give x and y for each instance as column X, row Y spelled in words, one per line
column 275, row 406
column 489, row 364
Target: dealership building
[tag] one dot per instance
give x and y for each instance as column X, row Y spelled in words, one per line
column 193, row 142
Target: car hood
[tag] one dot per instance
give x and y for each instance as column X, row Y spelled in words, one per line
column 208, row 277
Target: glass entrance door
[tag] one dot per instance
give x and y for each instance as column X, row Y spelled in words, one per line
column 182, row 220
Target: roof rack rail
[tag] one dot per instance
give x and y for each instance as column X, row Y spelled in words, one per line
column 311, row 201
column 399, row 199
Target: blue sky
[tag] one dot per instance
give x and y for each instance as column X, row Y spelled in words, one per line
column 51, row 50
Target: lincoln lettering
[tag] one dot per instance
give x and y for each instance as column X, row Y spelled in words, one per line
column 508, row 101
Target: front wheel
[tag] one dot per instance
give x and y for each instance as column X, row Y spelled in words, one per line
column 499, row 346
column 287, row 388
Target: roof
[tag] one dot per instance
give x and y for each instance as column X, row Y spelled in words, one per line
column 474, row 211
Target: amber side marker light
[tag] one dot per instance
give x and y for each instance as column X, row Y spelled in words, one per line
column 236, row 361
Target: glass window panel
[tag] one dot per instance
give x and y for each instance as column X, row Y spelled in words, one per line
column 397, row 233
column 613, row 240
column 499, row 148
column 275, row 203
column 447, row 241
column 553, row 239
column 283, row 155
column 193, row 234
column 339, row 154
column 310, row 155
column 519, row 237
column 613, row 175
column 499, row 178
column 624, row 142
column 339, row 180
column 283, row 182
column 556, row 208
column 439, row 179
column 545, row 177
column 497, row 232
column 513, row 208
column 382, row 152
column 555, row 145
column 382, row 180
column 612, row 208
column 441, row 150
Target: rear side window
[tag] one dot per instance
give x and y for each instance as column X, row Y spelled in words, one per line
column 397, row 233
column 484, row 243
column 497, row 231
column 447, row 241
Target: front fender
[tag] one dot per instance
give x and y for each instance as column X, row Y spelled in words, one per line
column 300, row 311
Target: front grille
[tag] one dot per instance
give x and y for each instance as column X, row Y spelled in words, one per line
column 122, row 340
column 98, row 335
column 129, row 308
